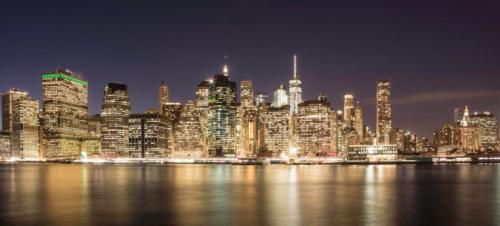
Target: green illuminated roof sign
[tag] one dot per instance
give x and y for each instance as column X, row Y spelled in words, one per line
column 66, row 77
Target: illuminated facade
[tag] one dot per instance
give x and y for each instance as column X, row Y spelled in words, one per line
column 148, row 135
column 201, row 103
column 295, row 89
column 314, row 126
column 91, row 146
column 5, row 145
column 384, row 112
column 277, row 129
column 8, row 99
column 280, row 98
column 188, row 133
column 162, row 95
column 222, row 116
column 372, row 153
column 246, row 121
column 448, row 135
column 488, row 128
column 65, row 111
column 349, row 110
column 358, row 120
column 172, row 112
column 114, row 120
column 25, row 128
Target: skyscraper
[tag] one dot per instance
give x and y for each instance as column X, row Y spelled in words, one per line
column 384, row 112
column 246, row 121
column 295, row 89
column 246, row 94
column 114, row 120
column 8, row 99
column 188, row 133
column 162, row 95
column 349, row 110
column 222, row 116
column 280, row 98
column 65, row 112
column 314, row 124
column 25, row 128
column 488, row 128
column 358, row 120
column 277, row 129
column 148, row 135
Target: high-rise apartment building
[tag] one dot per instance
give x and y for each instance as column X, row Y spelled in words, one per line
column 114, row 120
column 295, row 89
column 222, row 116
column 65, row 112
column 384, row 112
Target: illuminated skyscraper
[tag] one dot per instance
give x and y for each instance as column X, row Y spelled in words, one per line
column 384, row 112
column 114, row 120
column 315, row 125
column 25, row 128
column 162, row 95
column 295, row 89
column 65, row 112
column 222, row 116
column 488, row 128
column 277, row 129
column 8, row 99
column 246, row 121
column 188, row 133
column 148, row 135
column 358, row 120
column 280, row 98
column 349, row 110
column 5, row 145
column 172, row 112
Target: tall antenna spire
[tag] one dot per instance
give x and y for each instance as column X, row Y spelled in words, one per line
column 294, row 66
column 225, row 70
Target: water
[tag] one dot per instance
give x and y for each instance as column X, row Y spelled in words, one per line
column 59, row 194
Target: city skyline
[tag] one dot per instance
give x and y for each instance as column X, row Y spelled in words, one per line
column 437, row 59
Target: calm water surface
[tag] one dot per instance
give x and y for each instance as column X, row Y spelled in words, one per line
column 52, row 194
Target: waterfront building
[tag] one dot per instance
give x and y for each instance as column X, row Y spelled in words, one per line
column 91, row 145
column 280, row 98
column 488, row 128
column 114, row 120
column 5, row 145
column 448, row 135
column 261, row 106
column 172, row 112
column 8, row 99
column 148, row 135
column 314, row 126
column 65, row 112
column 384, row 112
column 162, row 96
column 277, row 130
column 201, row 103
column 358, row 120
column 295, row 89
column 222, row 116
column 188, row 133
column 470, row 135
column 25, row 128
column 372, row 153
column 246, row 121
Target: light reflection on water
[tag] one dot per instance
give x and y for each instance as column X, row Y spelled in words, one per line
column 51, row 194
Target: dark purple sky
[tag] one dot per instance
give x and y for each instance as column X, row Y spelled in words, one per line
column 439, row 54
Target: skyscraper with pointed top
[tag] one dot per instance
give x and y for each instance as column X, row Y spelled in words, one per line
column 295, row 89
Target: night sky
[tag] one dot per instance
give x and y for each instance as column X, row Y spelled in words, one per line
column 438, row 54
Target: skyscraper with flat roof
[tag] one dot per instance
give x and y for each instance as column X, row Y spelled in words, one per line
column 65, row 112
column 384, row 112
column 114, row 120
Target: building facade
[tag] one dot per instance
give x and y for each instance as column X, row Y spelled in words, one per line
column 25, row 128
column 280, row 97
column 148, row 135
column 488, row 128
column 295, row 89
column 189, row 134
column 64, row 116
column 384, row 112
column 8, row 99
column 277, row 129
column 114, row 120
column 314, row 127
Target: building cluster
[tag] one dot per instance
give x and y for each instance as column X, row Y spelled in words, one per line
column 468, row 133
column 218, row 122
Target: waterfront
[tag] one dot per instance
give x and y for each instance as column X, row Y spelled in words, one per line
column 80, row 194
